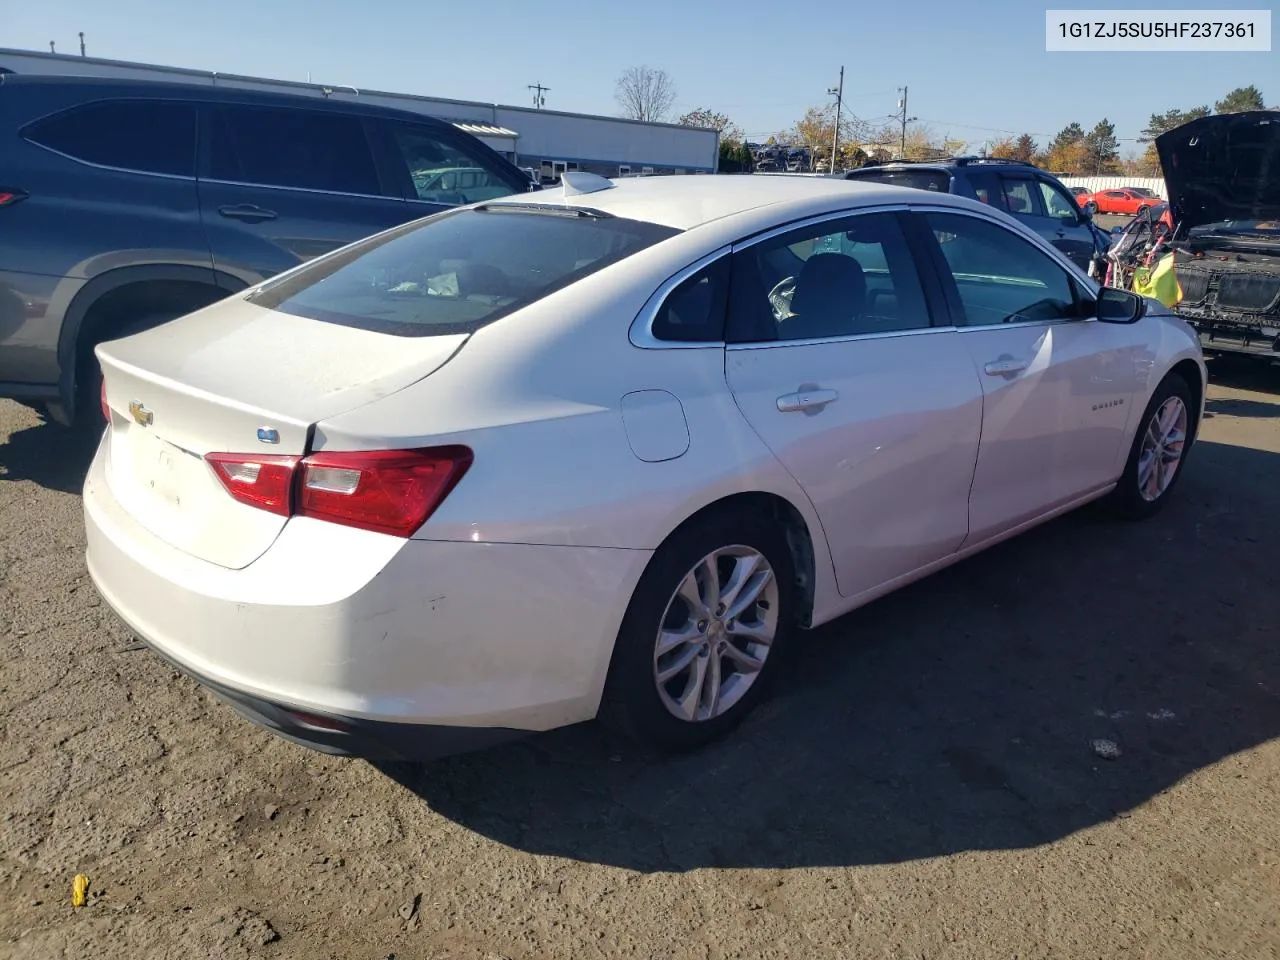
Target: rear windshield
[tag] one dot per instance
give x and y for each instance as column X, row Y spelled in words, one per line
column 938, row 181
column 458, row 271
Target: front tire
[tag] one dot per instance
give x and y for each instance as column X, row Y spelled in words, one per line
column 1159, row 451
column 703, row 636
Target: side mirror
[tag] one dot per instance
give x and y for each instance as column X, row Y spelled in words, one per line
column 1089, row 209
column 1119, row 306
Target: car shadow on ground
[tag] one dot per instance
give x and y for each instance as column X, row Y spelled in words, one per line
column 962, row 713
column 50, row 455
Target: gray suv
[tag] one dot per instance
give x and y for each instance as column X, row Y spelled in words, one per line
column 124, row 204
column 1022, row 190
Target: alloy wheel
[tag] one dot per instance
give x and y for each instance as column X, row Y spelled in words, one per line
column 1162, row 448
column 716, row 633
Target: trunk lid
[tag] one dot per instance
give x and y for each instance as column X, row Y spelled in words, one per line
column 1223, row 167
column 236, row 378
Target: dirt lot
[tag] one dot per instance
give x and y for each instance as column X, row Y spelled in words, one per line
column 925, row 788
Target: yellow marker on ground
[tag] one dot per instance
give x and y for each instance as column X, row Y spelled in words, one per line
column 79, row 889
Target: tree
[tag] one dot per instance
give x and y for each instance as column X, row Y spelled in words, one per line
column 814, row 130
column 1024, row 148
column 702, row 117
column 1239, row 100
column 645, row 93
column 1068, row 152
column 1002, row 149
column 735, row 157
column 1164, row 122
column 1102, row 149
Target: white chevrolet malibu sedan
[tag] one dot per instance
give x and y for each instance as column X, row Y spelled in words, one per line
column 607, row 450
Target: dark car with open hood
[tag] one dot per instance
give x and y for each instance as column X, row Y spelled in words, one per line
column 1222, row 174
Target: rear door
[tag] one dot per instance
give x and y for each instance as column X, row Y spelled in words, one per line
column 834, row 362
column 281, row 185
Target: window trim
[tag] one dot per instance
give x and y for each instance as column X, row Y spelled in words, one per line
column 204, row 135
column 641, row 332
column 1084, row 294
column 83, row 105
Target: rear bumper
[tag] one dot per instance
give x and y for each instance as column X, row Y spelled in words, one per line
column 351, row 736
column 393, row 639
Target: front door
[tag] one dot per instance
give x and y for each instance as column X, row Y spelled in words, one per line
column 1063, row 225
column 279, row 186
column 1056, row 387
column 876, row 413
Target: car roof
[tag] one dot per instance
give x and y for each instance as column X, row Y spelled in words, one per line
column 685, row 201
column 99, row 88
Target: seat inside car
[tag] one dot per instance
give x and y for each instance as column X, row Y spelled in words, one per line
column 830, row 297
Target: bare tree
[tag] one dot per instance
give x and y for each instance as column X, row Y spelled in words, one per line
column 645, row 93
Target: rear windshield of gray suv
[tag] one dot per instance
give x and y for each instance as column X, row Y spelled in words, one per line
column 459, row 270
column 938, row 181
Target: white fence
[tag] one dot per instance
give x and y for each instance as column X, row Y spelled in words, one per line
column 1094, row 184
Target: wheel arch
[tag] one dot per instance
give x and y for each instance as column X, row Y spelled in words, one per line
column 804, row 541
column 81, row 318
column 1191, row 372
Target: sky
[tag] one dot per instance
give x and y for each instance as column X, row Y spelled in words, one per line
column 974, row 71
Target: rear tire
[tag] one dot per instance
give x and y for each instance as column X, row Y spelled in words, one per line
column 1159, row 451
column 89, row 372
column 693, row 658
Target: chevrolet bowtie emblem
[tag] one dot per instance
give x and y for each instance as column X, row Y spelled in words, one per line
column 141, row 415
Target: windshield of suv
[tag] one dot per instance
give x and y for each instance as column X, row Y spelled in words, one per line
column 458, row 271
column 937, row 180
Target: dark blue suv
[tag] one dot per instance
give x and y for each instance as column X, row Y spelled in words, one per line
column 1022, row 190
column 124, row 204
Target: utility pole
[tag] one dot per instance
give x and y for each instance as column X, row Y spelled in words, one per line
column 904, row 119
column 82, row 43
column 838, row 93
column 539, row 101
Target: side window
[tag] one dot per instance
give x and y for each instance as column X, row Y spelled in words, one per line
column 1017, row 196
column 694, row 311
column 836, row 279
column 1057, row 204
column 441, row 172
column 291, row 148
column 151, row 136
column 1000, row 277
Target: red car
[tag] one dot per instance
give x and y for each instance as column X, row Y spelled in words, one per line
column 1126, row 201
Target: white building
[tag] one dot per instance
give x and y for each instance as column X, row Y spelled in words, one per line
column 546, row 140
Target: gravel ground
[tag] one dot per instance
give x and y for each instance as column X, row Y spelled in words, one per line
column 932, row 783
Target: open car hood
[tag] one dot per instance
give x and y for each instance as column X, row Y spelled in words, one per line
column 1224, row 167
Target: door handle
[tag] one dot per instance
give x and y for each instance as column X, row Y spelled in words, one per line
column 248, row 212
column 1005, row 366
column 806, row 400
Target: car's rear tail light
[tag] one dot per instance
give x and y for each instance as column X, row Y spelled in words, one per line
column 386, row 491
column 262, row 482
column 9, row 196
column 102, row 399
